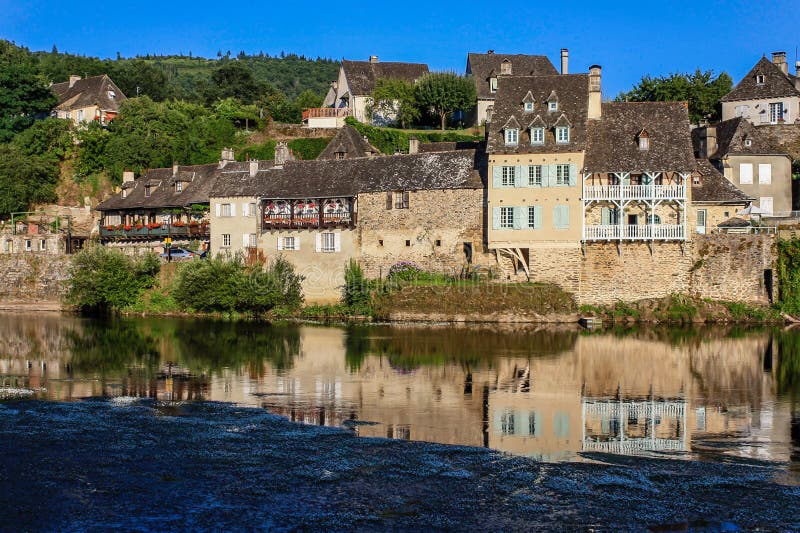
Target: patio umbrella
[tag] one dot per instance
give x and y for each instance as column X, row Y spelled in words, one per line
column 752, row 210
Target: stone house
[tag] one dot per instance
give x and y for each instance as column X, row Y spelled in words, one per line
column 84, row 100
column 751, row 160
column 715, row 200
column 486, row 68
column 768, row 94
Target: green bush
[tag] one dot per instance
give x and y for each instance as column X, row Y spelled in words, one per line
column 357, row 290
column 103, row 279
column 789, row 275
column 389, row 140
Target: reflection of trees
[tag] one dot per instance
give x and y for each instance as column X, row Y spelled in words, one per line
column 787, row 373
column 110, row 347
column 408, row 348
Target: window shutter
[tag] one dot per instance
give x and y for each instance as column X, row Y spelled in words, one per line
column 318, row 242
column 337, row 242
column 765, row 173
column 545, row 175
column 233, row 209
column 389, row 200
column 495, row 218
column 497, row 176
column 406, row 199
column 573, row 174
column 219, row 209
column 245, row 210
column 520, row 179
column 605, row 217
column 245, row 240
column 517, row 218
column 553, row 175
column 280, row 243
column 563, row 217
column 537, row 216
column 297, row 242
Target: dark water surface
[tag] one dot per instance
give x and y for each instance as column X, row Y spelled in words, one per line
column 723, row 395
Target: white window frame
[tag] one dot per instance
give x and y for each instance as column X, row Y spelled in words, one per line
column 562, row 135
column 509, row 176
column 225, row 210
column 537, row 136
column 226, row 240
column 506, row 218
column 532, row 217
column 764, row 174
column 289, row 243
column 528, row 107
column 512, row 136
column 328, row 242
column 42, row 245
column 253, row 241
column 746, row 173
column 535, row 175
column 760, row 79
column 252, row 210
column 492, row 85
column 552, row 106
column 178, row 186
column 562, row 174
column 644, row 143
column 28, row 245
column 775, row 112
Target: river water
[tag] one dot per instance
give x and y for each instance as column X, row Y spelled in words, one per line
column 555, row 394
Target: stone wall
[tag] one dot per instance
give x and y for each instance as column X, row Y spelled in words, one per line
column 27, row 277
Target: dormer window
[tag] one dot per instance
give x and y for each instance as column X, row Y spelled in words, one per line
column 562, row 134
column 147, row 191
column 512, row 136
column 527, row 102
column 537, row 136
column 528, row 106
column 493, row 85
column 124, row 193
column 552, row 106
column 112, row 94
column 339, row 155
column 178, row 186
column 644, row 140
column 760, row 79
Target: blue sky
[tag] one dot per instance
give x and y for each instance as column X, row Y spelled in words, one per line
column 629, row 39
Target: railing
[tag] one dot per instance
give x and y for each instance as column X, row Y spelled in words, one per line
column 638, row 232
column 634, row 192
column 327, row 112
column 156, row 233
column 313, row 220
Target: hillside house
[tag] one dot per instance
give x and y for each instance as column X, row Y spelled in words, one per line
column 84, row 100
column 768, row 94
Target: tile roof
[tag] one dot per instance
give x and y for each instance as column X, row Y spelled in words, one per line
column 572, row 91
column 613, row 140
column 89, row 91
column 481, row 66
column 348, row 141
column 449, row 146
column 776, row 84
column 716, row 188
column 362, row 75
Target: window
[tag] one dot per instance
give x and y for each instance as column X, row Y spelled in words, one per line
column 401, row 200
column 562, row 134
column 701, row 220
column 528, row 106
column 509, row 176
column 552, row 106
column 696, row 180
column 776, row 112
column 765, row 174
column 43, row 245
column 124, row 193
column 512, row 136
column 80, row 115
column 493, row 85
column 380, row 242
column 28, row 245
column 535, row 175
column 147, row 191
column 253, row 240
column 653, row 220
column 765, row 203
column 562, row 174
column 537, row 135
column 743, row 111
column 644, row 143
column 438, row 242
column 226, row 240
column 746, row 174
column 408, row 242
column 338, row 155
column 534, row 217
column 507, row 217
column 507, row 422
column 112, row 94
column 226, row 210
column 760, row 79
column 288, row 243
column 609, row 216
column 178, row 186
column 328, row 242
column 252, row 209
column 748, row 142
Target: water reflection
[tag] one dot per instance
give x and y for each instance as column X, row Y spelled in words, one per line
column 552, row 394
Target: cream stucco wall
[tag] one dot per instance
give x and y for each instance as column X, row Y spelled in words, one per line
column 235, row 225
column 758, row 110
column 779, row 188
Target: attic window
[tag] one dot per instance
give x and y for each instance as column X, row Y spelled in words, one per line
column 644, row 140
column 562, row 134
column 178, row 186
column 112, row 94
column 147, row 191
column 760, row 79
column 696, row 180
column 493, row 85
column 748, row 142
column 512, row 136
column 537, row 135
column 124, row 193
column 529, row 106
column 552, row 106
column 339, row 155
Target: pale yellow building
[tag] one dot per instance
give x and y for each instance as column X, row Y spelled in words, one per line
column 84, row 100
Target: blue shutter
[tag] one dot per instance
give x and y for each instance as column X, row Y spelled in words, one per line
column 565, row 216
column 517, row 218
column 551, row 171
column 518, row 177
column 561, row 216
column 495, row 218
column 537, row 216
column 605, row 217
column 573, row 175
column 545, row 176
column 497, row 176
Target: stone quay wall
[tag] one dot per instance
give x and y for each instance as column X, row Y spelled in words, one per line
column 33, row 276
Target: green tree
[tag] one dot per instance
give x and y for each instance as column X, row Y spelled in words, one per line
column 275, row 104
column 396, row 97
column 51, row 137
column 25, row 179
column 132, row 73
column 307, row 100
column 23, row 96
column 444, row 93
column 233, row 80
column 701, row 90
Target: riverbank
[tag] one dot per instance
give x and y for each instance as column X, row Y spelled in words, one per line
column 140, row 465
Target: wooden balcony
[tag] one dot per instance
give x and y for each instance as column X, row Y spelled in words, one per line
column 634, row 192
column 117, row 233
column 638, row 232
column 327, row 112
column 278, row 221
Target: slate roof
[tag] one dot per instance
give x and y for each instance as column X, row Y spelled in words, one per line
column 446, row 146
column 349, row 141
column 480, row 66
column 715, row 188
column 734, row 222
column 572, row 91
column 613, row 140
column 732, row 135
column 87, row 92
column 162, row 190
column 362, row 75
column 776, row 84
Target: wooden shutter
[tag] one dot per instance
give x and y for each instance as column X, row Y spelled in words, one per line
column 519, row 179
column 495, row 218
column 233, row 209
column 545, row 175
column 497, row 176
column 406, row 200
column 389, row 200
column 219, row 209
column 537, row 216
column 245, row 209
column 297, row 242
column 551, row 171
column 605, row 216
column 318, row 242
column 280, row 243
column 561, row 216
column 245, row 240
column 517, row 218
column 573, row 174
column 337, row 242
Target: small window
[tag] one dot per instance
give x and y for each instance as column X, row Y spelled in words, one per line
column 528, row 106
column 537, row 135
column 535, row 175
column 124, row 193
column 226, row 240
column 507, row 217
column 760, row 79
column 112, row 94
column 43, row 245
column 408, row 242
column 644, row 143
column 28, row 245
column 532, row 217
column 696, row 180
column 653, row 220
column 552, row 106
column 726, row 214
column 288, row 243
column 179, row 186
column 438, row 242
column 328, row 242
column 252, row 211
column 339, row 155
column 493, row 85
column 748, row 142
column 562, row 174
column 509, row 176
column 253, row 241
column 512, row 136
column 562, row 134
column 401, row 200
column 380, row 242
column 147, row 191
column 226, row 210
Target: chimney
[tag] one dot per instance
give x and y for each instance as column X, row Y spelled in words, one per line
column 710, row 144
column 127, row 176
column 253, row 168
column 413, row 145
column 226, row 157
column 779, row 60
column 174, row 169
column 595, row 94
column 72, row 80
column 282, row 154
column 373, row 59
column 564, row 61
column 490, row 52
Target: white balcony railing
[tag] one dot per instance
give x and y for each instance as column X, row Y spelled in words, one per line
column 634, row 192
column 638, row 232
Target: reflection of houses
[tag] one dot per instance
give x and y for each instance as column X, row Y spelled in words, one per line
column 90, row 99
